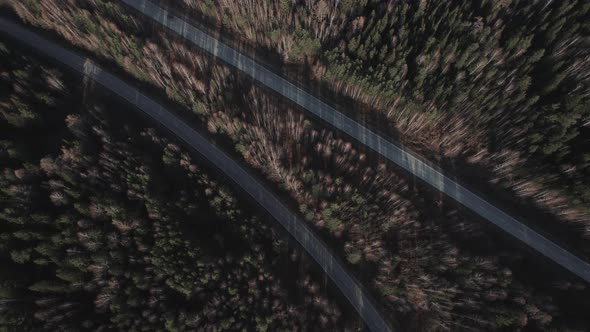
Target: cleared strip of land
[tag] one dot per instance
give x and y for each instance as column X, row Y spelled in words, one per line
column 347, row 284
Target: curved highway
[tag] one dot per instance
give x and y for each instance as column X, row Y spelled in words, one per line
column 349, row 286
column 399, row 155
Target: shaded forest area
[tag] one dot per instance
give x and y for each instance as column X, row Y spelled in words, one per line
column 498, row 89
column 106, row 225
column 429, row 264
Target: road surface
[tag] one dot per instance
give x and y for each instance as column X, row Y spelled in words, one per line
column 398, row 155
column 318, row 250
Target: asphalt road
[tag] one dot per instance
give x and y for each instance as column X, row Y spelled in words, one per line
column 399, row 155
column 347, row 284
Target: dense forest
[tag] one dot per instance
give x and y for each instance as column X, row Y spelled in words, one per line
column 105, row 225
column 428, row 263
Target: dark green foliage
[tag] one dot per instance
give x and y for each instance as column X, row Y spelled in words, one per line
column 516, row 68
column 108, row 226
column 390, row 231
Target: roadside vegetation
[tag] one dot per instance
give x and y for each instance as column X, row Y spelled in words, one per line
column 106, row 225
column 499, row 86
column 429, row 264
